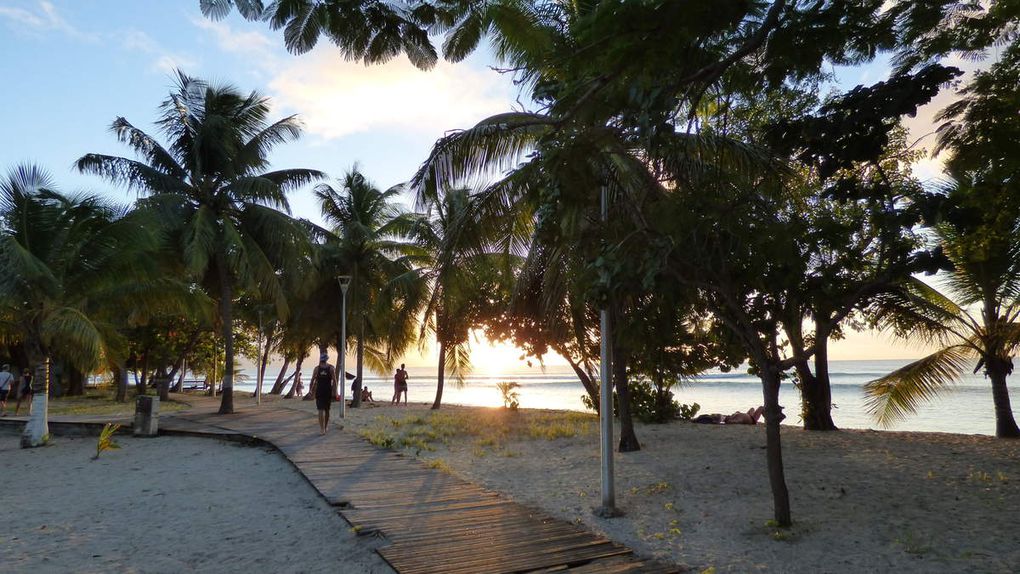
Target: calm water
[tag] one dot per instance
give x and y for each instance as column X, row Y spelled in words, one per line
column 968, row 409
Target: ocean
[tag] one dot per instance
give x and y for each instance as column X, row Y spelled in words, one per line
column 967, row 409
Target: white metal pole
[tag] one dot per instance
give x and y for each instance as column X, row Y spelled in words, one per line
column 606, row 397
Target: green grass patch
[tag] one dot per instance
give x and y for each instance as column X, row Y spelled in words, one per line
column 102, row 401
column 488, row 430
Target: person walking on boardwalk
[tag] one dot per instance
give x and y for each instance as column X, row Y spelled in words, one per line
column 324, row 389
column 26, row 392
column 6, row 385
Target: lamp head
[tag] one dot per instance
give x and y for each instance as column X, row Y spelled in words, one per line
column 344, row 281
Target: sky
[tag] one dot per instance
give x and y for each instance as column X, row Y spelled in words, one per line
column 73, row 66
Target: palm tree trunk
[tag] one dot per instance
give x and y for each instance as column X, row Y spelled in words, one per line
column 37, row 430
column 356, row 399
column 227, row 319
column 75, row 382
column 122, row 381
column 297, row 375
column 360, row 361
column 770, row 378
column 440, row 376
column 1005, row 423
column 628, row 439
column 589, row 386
column 280, row 382
column 142, row 385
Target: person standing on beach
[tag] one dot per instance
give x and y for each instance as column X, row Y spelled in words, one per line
column 6, row 384
column 402, row 387
column 324, row 389
column 25, row 392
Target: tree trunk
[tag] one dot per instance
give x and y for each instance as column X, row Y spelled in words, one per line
column 75, row 381
column 356, row 399
column 280, row 381
column 37, row 431
column 122, row 381
column 297, row 376
column 1005, row 423
column 440, row 376
column 360, row 358
column 815, row 389
column 163, row 384
column 628, row 440
column 142, row 385
column 589, row 386
column 227, row 318
column 190, row 346
column 773, row 447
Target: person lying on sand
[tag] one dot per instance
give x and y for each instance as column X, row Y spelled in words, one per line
column 738, row 418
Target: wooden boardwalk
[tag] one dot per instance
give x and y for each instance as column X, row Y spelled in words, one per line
column 435, row 523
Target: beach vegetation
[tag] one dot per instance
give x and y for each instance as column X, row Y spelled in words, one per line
column 439, row 464
column 106, row 441
column 72, row 265
column 227, row 215
column 508, row 391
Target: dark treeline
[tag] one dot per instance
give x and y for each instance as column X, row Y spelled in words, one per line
column 688, row 167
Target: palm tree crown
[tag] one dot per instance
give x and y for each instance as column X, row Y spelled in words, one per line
column 230, row 216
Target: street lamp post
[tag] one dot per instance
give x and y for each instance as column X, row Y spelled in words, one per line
column 345, row 282
column 608, row 507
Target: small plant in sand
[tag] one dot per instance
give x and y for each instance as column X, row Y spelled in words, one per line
column 510, row 395
column 439, row 464
column 913, row 545
column 106, row 441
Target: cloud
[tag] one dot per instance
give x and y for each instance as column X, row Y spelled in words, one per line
column 336, row 98
column 164, row 61
column 44, row 19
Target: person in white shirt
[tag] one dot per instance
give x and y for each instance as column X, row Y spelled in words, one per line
column 6, row 384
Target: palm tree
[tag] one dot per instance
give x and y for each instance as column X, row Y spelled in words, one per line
column 366, row 242
column 234, row 230
column 977, row 318
column 75, row 272
column 462, row 272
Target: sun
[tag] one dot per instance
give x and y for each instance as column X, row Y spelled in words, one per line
column 489, row 357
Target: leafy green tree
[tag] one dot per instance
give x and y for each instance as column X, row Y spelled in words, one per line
column 211, row 180
column 72, row 265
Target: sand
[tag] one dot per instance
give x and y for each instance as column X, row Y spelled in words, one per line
column 695, row 495
column 698, row 495
column 169, row 504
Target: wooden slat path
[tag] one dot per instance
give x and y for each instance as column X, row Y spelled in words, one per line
column 436, row 523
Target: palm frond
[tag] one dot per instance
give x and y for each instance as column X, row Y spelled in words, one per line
column 898, row 394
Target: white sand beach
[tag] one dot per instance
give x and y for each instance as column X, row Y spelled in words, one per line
column 698, row 495
column 695, row 495
column 169, row 504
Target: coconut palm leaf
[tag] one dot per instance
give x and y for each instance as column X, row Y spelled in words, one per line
column 464, row 157
column 900, row 393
